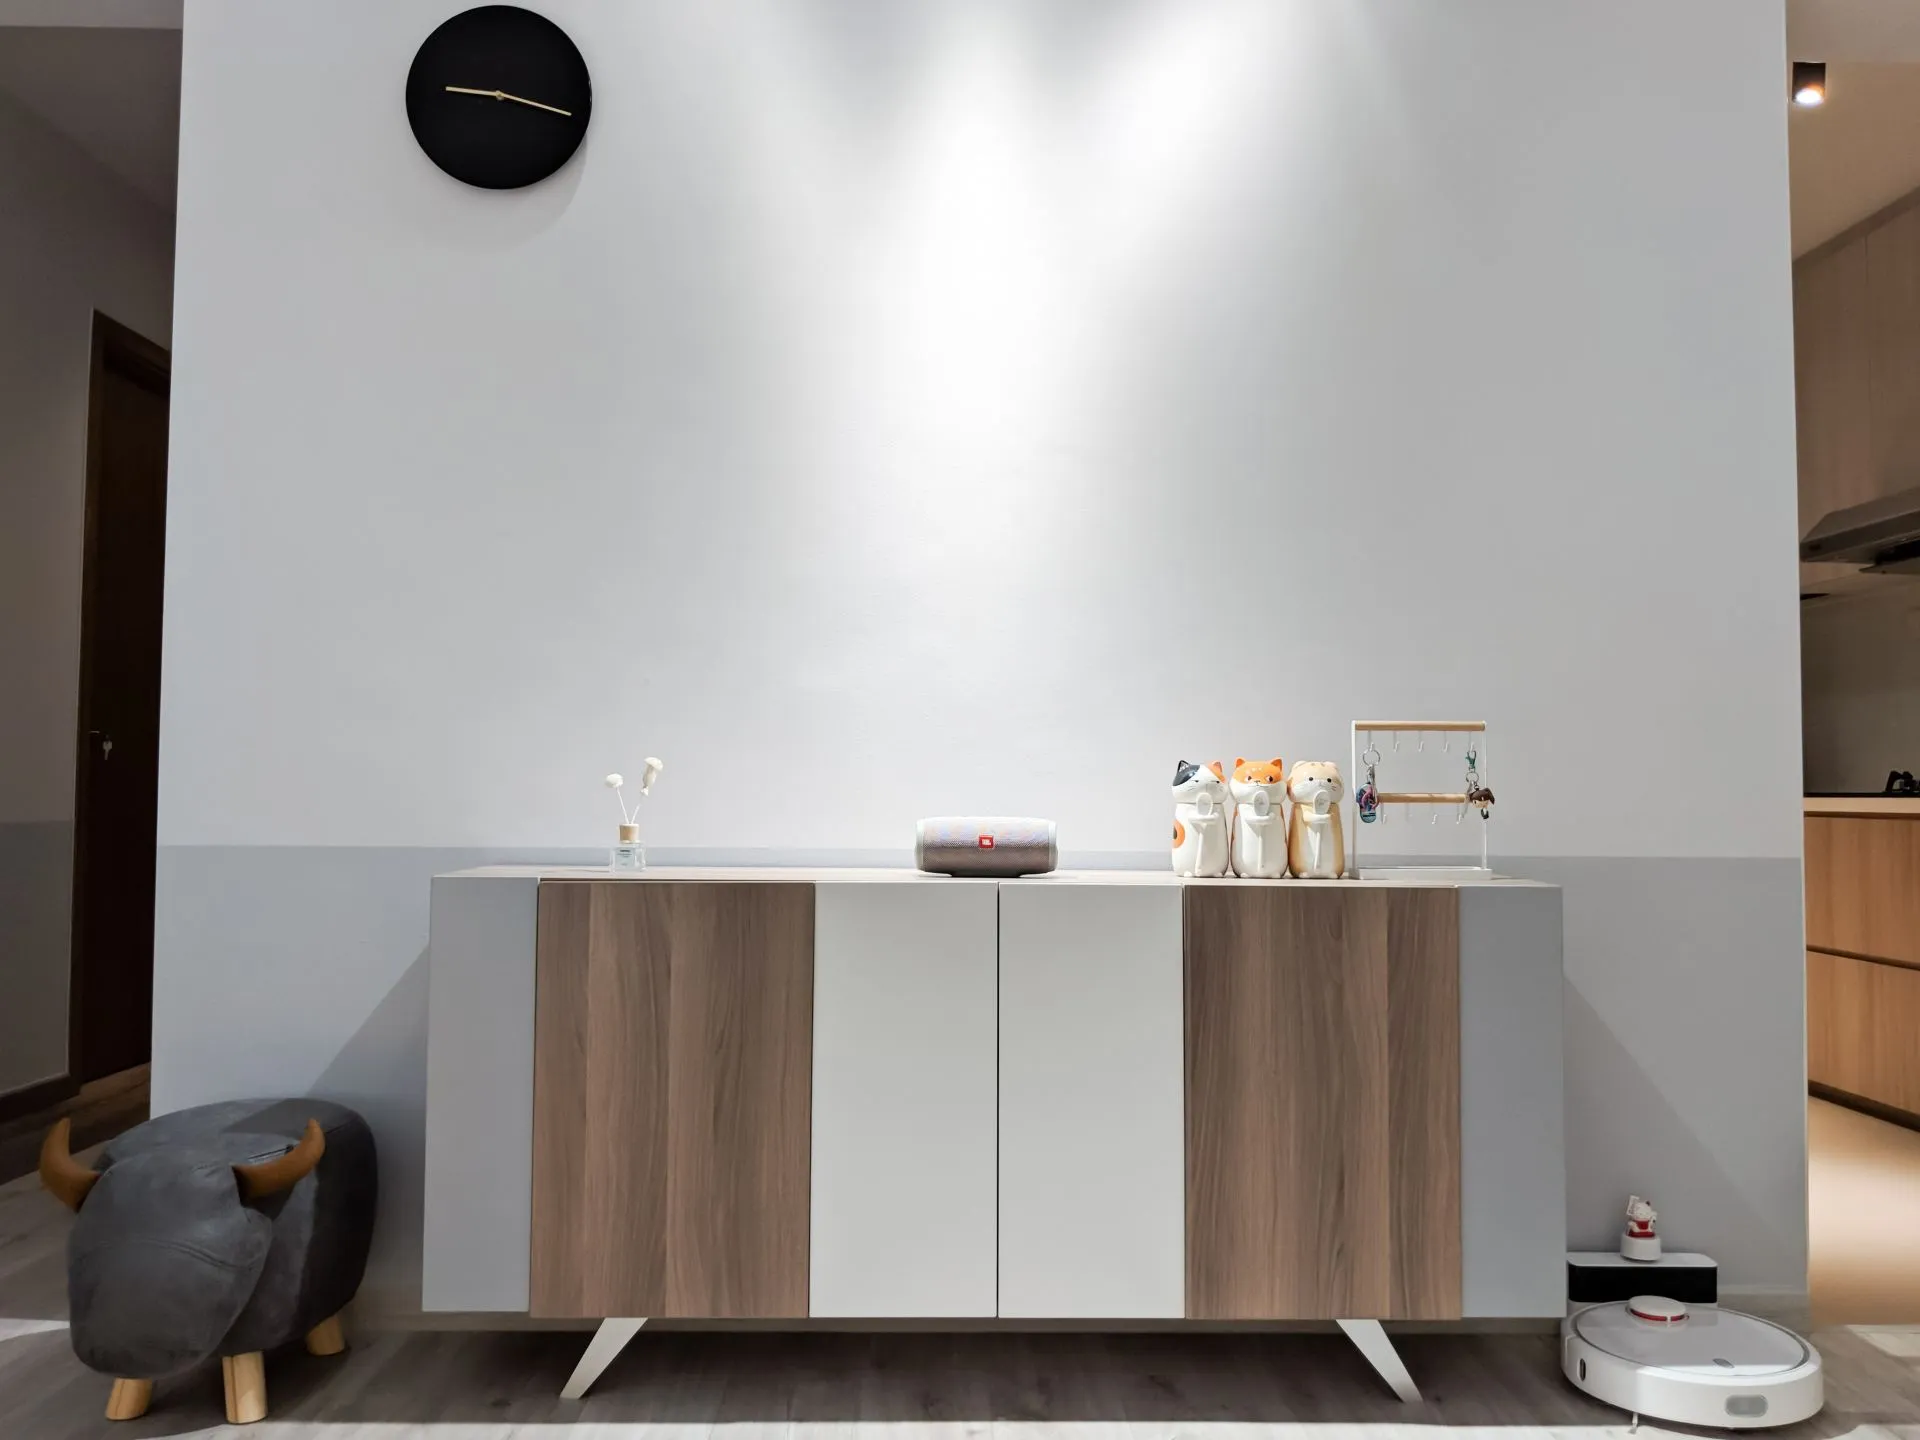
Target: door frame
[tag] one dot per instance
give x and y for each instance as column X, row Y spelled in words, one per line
column 125, row 351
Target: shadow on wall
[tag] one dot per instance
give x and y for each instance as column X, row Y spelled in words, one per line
column 382, row 1073
column 1627, row 1114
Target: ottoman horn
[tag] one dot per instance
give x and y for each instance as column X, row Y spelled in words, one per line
column 270, row 1177
column 65, row 1177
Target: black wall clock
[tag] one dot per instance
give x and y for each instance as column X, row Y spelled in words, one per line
column 499, row 97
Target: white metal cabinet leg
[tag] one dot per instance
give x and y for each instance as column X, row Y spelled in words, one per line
column 1373, row 1343
column 608, row 1341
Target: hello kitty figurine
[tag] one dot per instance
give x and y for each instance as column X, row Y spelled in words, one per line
column 1259, row 818
column 1640, row 1242
column 1316, row 845
column 1199, row 819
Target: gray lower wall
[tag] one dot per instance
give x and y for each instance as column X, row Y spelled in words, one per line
column 303, row 971
column 36, row 901
column 1686, row 1057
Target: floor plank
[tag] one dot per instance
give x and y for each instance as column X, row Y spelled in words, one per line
column 1863, row 1218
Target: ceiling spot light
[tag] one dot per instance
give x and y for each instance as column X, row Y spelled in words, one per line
column 1809, row 82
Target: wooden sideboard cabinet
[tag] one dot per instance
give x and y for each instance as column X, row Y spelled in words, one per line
column 780, row 1094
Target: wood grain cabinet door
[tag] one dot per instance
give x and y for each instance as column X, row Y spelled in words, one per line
column 672, row 1098
column 1863, row 886
column 1862, row 1017
column 1323, row 1102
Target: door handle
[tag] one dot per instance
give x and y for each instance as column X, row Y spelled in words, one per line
column 104, row 741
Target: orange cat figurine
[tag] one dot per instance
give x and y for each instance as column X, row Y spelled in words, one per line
column 1259, row 818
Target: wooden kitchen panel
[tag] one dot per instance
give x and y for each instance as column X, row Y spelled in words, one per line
column 1323, row 1103
column 672, row 1095
column 1862, row 1018
column 1863, row 886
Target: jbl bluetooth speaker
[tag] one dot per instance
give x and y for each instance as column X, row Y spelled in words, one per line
column 985, row 845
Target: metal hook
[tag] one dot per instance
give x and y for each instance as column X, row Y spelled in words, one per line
column 1436, row 816
column 1396, row 742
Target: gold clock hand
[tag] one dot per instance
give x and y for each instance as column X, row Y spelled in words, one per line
column 503, row 95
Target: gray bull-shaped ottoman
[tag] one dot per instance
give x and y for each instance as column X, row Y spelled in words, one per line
column 223, row 1230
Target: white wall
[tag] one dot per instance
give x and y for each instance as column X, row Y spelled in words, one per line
column 977, row 406
column 1861, row 690
column 886, row 400
column 73, row 239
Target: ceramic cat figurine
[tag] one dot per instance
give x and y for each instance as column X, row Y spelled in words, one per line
column 1316, row 845
column 1200, row 840
column 1259, row 818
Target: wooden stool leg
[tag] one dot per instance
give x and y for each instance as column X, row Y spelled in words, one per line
column 130, row 1399
column 246, row 1377
column 325, row 1338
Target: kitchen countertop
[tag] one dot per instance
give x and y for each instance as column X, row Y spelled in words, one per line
column 1863, row 806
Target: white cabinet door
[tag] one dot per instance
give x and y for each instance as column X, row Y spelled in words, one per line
column 1092, row 1112
column 903, row 1099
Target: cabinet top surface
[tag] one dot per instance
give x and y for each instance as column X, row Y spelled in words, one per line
column 1864, row 806
column 805, row 875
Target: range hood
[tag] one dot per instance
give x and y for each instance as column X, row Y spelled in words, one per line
column 1882, row 536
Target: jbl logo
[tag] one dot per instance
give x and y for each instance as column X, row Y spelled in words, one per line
column 986, row 842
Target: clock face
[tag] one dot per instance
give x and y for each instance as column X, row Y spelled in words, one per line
column 499, row 97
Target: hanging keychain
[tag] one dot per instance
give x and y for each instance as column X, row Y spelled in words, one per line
column 1368, row 799
column 1478, row 795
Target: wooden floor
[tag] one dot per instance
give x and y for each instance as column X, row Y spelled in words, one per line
column 754, row 1386
column 1863, row 1218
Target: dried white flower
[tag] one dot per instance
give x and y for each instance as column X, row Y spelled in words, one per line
column 650, row 771
column 614, row 782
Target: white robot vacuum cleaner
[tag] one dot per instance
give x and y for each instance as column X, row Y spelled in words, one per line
column 1693, row 1366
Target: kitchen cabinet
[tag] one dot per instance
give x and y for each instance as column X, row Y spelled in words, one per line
column 1863, row 886
column 1893, row 363
column 1862, row 1017
column 1863, row 950
column 1831, row 339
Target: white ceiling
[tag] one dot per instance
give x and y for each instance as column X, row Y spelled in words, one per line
column 1869, row 31
column 115, row 92
column 1858, row 152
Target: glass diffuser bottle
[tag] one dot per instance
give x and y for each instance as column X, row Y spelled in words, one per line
column 628, row 854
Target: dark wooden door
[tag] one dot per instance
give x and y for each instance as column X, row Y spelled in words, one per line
column 118, row 760
column 1323, row 1102
column 672, row 1099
